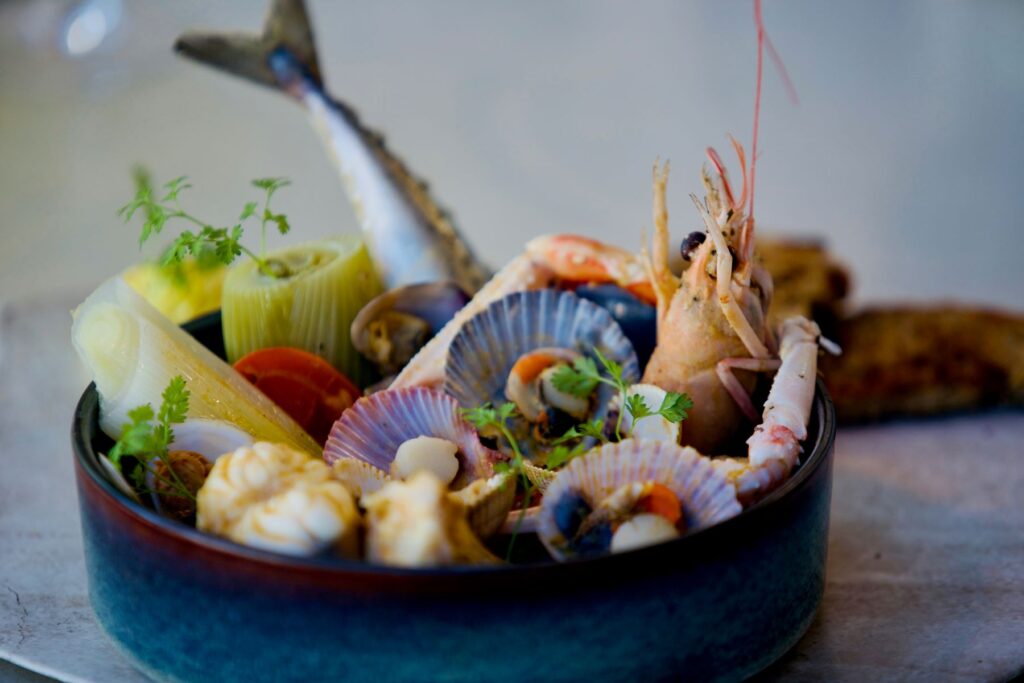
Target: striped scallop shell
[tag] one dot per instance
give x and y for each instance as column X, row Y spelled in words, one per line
column 704, row 493
column 376, row 425
column 488, row 345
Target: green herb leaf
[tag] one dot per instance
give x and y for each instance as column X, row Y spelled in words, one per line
column 580, row 379
column 271, row 185
column 637, row 407
column 674, row 407
column 213, row 245
column 248, row 211
column 147, row 442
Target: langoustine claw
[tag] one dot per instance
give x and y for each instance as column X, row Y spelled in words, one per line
column 774, row 447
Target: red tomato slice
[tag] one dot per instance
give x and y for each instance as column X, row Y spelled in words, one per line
column 303, row 384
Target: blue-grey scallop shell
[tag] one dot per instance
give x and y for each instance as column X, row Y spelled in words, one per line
column 488, row 345
column 705, row 494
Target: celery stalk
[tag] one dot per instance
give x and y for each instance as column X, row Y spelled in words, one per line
column 319, row 288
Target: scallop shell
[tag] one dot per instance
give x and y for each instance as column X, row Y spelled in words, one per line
column 488, row 345
column 704, row 493
column 359, row 477
column 376, row 425
column 487, row 502
column 538, row 476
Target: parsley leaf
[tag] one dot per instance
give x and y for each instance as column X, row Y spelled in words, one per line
column 147, row 442
column 674, row 407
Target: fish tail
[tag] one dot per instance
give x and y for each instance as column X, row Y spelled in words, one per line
column 282, row 55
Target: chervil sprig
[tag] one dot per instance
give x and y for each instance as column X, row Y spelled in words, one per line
column 583, row 376
column 148, row 442
column 223, row 242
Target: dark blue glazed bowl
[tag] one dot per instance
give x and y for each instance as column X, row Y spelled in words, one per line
column 719, row 604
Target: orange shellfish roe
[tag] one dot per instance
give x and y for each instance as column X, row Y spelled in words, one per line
column 661, row 501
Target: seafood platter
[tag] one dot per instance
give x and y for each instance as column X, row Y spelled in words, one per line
column 378, row 459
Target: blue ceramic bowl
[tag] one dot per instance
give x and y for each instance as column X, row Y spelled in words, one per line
column 718, row 604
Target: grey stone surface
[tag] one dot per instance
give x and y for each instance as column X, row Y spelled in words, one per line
column 926, row 559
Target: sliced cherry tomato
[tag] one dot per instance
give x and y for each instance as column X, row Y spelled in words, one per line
column 661, row 501
column 303, row 384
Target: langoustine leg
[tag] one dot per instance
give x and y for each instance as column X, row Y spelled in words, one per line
column 775, row 445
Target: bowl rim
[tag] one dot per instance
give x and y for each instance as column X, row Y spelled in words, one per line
column 87, row 459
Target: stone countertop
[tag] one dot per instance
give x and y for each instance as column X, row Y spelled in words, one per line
column 925, row 568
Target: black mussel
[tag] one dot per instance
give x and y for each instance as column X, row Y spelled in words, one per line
column 392, row 327
column 637, row 319
column 570, row 511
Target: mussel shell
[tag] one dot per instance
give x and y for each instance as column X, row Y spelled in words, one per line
column 704, row 493
column 638, row 320
column 488, row 345
column 376, row 425
column 434, row 303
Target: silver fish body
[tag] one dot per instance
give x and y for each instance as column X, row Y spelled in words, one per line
column 410, row 237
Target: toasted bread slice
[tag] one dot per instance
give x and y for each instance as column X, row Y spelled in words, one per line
column 923, row 361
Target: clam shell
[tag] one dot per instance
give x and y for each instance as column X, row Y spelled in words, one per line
column 209, row 438
column 114, row 476
column 433, row 303
column 704, row 493
column 488, row 345
column 376, row 425
column 487, row 502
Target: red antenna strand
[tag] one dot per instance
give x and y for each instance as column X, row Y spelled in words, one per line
column 764, row 41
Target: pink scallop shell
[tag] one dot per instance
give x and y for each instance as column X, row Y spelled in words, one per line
column 705, row 494
column 376, row 425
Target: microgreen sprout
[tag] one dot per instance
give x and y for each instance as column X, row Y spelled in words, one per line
column 223, row 242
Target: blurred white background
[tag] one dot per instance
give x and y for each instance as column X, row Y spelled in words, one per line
column 905, row 152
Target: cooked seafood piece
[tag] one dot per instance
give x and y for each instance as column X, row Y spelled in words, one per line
column 923, row 361
column 416, row 523
column 509, row 351
column 393, row 327
column 375, row 428
column 189, row 470
column 775, row 445
column 275, row 497
column 410, row 237
column 397, row 433
column 596, row 493
column 711, row 320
